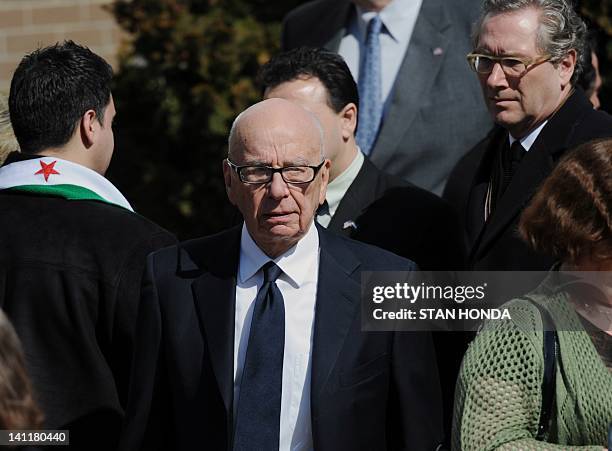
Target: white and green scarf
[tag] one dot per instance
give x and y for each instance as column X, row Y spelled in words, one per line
column 57, row 177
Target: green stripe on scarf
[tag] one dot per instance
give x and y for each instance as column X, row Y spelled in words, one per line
column 70, row 192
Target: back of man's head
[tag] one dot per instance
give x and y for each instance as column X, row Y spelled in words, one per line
column 307, row 62
column 51, row 90
column 561, row 28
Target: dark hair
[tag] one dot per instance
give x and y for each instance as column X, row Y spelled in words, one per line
column 586, row 80
column 51, row 89
column 17, row 407
column 571, row 214
column 307, row 62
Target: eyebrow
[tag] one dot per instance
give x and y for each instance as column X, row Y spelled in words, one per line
column 298, row 162
column 499, row 55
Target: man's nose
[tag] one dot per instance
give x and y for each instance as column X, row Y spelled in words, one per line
column 497, row 77
column 278, row 188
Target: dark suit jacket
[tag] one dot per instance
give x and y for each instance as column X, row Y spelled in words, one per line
column 496, row 244
column 368, row 390
column 436, row 112
column 70, row 278
column 416, row 224
column 402, row 218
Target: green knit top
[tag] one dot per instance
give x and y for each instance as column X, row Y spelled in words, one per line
column 499, row 389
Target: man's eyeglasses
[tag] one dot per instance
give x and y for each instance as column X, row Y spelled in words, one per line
column 258, row 175
column 512, row 66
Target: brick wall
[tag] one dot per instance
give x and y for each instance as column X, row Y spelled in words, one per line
column 27, row 24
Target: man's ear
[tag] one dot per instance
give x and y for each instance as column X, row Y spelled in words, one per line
column 88, row 128
column 348, row 115
column 566, row 67
column 324, row 180
column 227, row 177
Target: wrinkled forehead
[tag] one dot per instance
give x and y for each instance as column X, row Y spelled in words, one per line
column 282, row 143
column 511, row 31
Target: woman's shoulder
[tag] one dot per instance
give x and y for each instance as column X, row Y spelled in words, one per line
column 523, row 314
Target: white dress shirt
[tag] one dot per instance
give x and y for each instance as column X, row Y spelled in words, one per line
column 298, row 285
column 398, row 18
column 527, row 141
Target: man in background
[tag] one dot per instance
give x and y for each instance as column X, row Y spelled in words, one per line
column 527, row 57
column 363, row 202
column 420, row 108
column 72, row 250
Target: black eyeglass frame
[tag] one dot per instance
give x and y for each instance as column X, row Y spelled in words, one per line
column 238, row 170
column 529, row 63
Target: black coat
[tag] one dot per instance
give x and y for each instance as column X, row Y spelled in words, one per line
column 401, row 218
column 368, row 390
column 411, row 222
column 496, row 245
column 70, row 278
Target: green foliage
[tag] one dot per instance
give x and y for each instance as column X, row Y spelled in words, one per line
column 187, row 70
column 599, row 12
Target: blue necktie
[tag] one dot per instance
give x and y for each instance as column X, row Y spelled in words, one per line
column 370, row 93
column 259, row 403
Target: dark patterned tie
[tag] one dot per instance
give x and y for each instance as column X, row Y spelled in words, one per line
column 259, row 403
column 512, row 160
column 370, row 88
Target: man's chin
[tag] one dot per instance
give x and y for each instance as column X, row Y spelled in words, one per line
column 506, row 119
column 277, row 239
column 282, row 231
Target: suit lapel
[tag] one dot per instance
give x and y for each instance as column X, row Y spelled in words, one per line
column 337, row 303
column 415, row 77
column 534, row 168
column 475, row 211
column 214, row 295
column 358, row 197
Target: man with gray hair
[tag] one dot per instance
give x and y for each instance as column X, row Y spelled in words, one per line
column 251, row 339
column 527, row 57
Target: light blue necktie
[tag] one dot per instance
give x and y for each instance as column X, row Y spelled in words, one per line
column 370, row 91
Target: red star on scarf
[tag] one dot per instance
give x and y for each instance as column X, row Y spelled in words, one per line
column 47, row 169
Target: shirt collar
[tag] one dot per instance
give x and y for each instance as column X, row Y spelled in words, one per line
column 337, row 188
column 528, row 140
column 393, row 16
column 295, row 262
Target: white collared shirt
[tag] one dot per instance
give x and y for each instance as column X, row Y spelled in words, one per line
column 399, row 18
column 337, row 188
column 527, row 141
column 298, row 285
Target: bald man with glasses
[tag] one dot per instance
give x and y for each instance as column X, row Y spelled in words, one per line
column 527, row 70
column 251, row 339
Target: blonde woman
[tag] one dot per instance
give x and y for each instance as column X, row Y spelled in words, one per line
column 8, row 143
